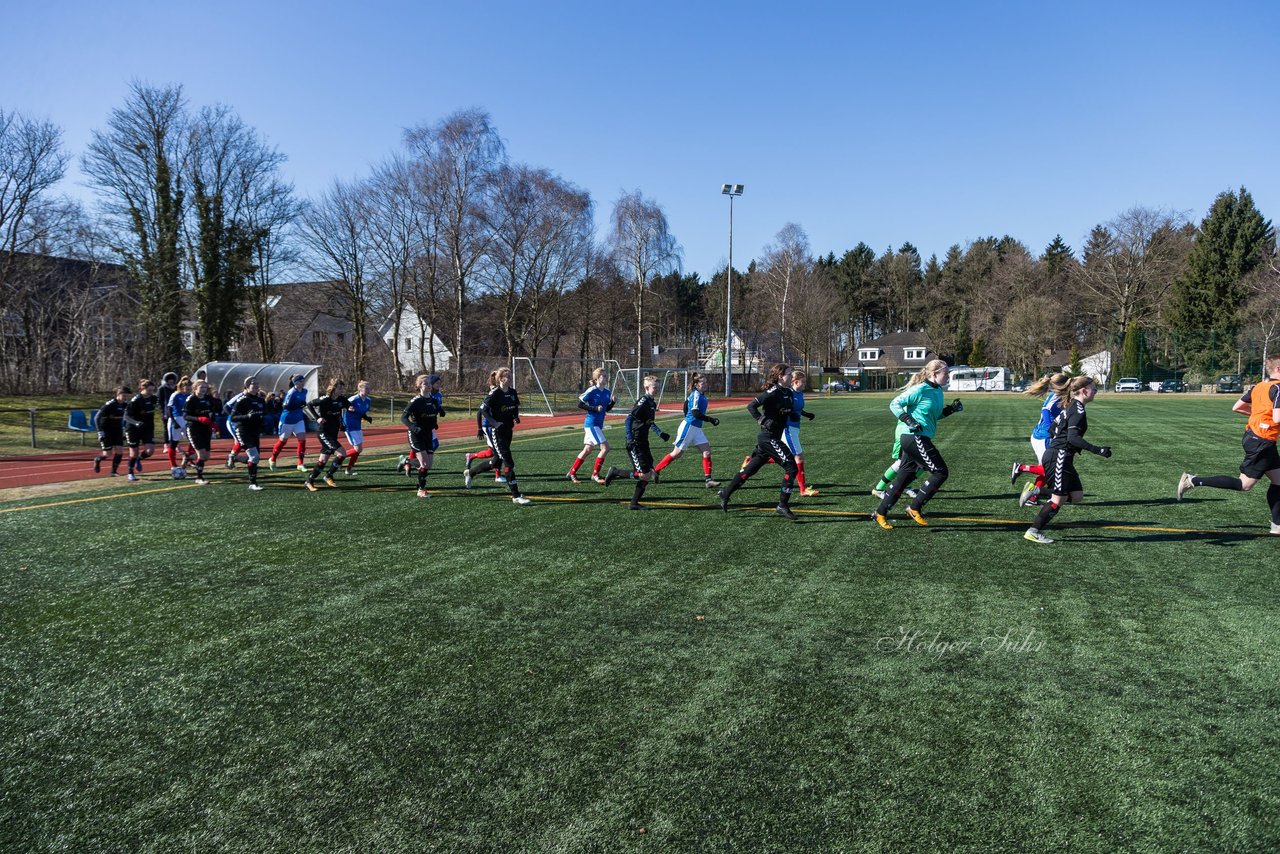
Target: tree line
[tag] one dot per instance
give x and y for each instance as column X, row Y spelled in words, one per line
column 502, row 259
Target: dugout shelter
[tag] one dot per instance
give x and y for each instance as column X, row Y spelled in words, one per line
column 227, row 378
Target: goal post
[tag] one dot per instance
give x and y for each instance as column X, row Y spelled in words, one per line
column 525, row 376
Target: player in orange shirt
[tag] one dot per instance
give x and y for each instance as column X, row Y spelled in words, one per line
column 1261, row 459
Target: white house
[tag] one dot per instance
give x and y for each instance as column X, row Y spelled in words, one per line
column 416, row 342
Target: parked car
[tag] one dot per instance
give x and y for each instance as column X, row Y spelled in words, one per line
column 1230, row 384
column 1172, row 386
column 1129, row 384
column 836, row 386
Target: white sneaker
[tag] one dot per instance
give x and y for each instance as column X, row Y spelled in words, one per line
column 201, row 482
column 878, row 493
column 231, row 461
column 271, row 464
column 1275, row 529
column 133, row 478
column 466, row 478
column 1184, row 484
column 1036, row 537
column 422, row 493
column 351, row 473
column 301, row 467
column 253, row 487
column 499, row 479
column 521, row 500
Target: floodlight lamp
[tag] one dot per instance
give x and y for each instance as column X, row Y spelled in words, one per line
column 737, row 189
column 726, row 189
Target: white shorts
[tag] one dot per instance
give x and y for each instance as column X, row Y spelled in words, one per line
column 1039, row 445
column 792, row 439
column 689, row 435
column 355, row 437
column 592, row 436
column 177, row 434
column 299, row 429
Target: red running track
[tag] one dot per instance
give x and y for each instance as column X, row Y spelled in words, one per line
column 71, row 466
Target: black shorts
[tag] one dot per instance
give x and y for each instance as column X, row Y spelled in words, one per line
column 499, row 438
column 200, row 436
column 423, row 441
column 109, row 439
column 142, row 434
column 329, row 443
column 641, row 457
column 1260, row 456
column 1060, row 472
column 247, row 439
column 920, row 454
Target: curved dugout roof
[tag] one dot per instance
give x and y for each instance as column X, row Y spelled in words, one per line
column 228, row 378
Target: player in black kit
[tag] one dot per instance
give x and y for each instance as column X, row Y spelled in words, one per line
column 772, row 410
column 421, row 417
column 201, row 422
column 327, row 411
column 110, row 423
column 501, row 408
column 248, row 414
column 140, row 426
column 640, row 422
column 1066, row 439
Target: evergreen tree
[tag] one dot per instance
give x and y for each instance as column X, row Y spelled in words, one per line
column 1212, row 293
column 1133, row 360
column 1056, row 256
column 978, row 355
column 1075, row 360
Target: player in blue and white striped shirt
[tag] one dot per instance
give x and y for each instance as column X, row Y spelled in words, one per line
column 690, row 432
column 595, row 401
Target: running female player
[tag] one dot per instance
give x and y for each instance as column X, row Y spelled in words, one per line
column 420, row 417
column 353, row 418
column 690, row 432
column 248, row 413
column 1262, row 406
column 327, row 411
column 140, row 426
column 919, row 408
column 1066, row 439
column 110, row 423
column 772, row 410
column 201, row 419
column 482, row 433
column 595, row 401
column 1040, row 435
column 799, row 379
column 501, row 407
column 639, row 423
column 293, row 422
column 175, row 425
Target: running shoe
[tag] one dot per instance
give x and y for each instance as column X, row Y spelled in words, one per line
column 253, row 487
column 1036, row 537
column 1185, row 483
column 1013, row 475
column 878, row 493
column 329, row 481
column 712, row 484
column 97, row 465
column 231, row 461
column 422, row 493
column 133, row 478
column 573, row 478
column 595, row 478
column 786, row 513
column 352, row 473
column 637, row 507
column 1028, row 495
column 301, row 467
column 611, row 475
column 466, row 478
column 1275, row 529
column 808, row 492
column 201, row 482
column 917, row 516
column 497, row 478
column 724, row 501
column 880, row 520
column 271, row 464
column 311, row 486
column 521, row 500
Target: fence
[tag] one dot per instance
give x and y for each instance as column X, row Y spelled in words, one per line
column 1196, row 356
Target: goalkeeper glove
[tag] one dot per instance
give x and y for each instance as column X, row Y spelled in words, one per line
column 1104, row 452
column 368, row 417
column 912, row 424
column 666, row 437
column 957, row 406
column 808, row 415
column 715, row 422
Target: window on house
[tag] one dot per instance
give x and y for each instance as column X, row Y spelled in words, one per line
column 915, row 352
column 408, row 343
column 869, row 355
column 342, row 339
column 317, row 339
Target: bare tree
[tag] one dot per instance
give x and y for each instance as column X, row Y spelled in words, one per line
column 136, row 165
column 784, row 266
column 1130, row 263
column 336, row 233
column 541, row 228
column 462, row 152
column 643, row 246
column 237, row 200
column 814, row 305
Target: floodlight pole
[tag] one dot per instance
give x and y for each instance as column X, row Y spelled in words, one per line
column 730, row 190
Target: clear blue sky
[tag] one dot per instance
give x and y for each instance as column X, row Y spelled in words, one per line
column 934, row 122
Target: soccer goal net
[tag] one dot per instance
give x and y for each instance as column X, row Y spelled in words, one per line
column 533, row 397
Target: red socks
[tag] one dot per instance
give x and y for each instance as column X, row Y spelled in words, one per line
column 595, row 469
column 666, row 461
column 275, row 451
column 577, row 463
column 351, row 459
column 302, row 451
column 172, row 451
column 800, row 475
column 706, row 466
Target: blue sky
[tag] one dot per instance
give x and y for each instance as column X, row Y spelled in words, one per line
column 935, row 123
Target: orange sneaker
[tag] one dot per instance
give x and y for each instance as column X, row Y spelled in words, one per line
column 917, row 516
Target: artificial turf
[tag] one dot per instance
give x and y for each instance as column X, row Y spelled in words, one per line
column 358, row 669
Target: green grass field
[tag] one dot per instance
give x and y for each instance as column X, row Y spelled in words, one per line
column 197, row 669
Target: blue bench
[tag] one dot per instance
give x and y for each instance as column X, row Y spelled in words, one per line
column 82, row 423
